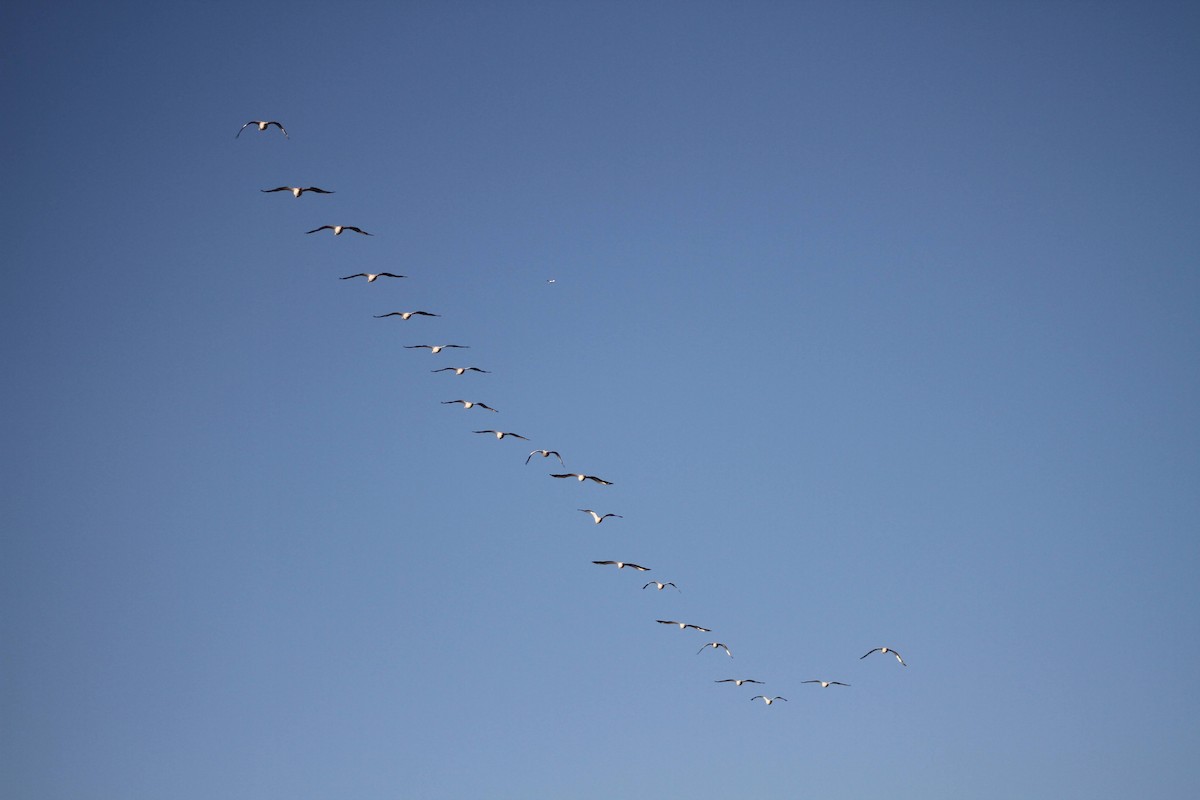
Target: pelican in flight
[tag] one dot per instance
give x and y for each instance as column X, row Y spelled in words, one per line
column 715, row 646
column 768, row 700
column 337, row 229
column 500, row 434
column 884, row 650
column 469, row 404
column 371, row 276
column 660, row 585
column 682, row 625
column 460, row 370
column 434, row 348
column 581, row 477
column 298, row 190
column 598, row 517
column 405, row 314
column 545, row 454
column 623, row 565
column 738, row 681
column 262, row 126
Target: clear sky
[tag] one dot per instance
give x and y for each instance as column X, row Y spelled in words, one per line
column 882, row 318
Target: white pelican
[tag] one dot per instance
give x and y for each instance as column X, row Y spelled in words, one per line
column 738, row 681
column 469, row 404
column 405, row 314
column 371, row 276
column 682, row 625
column 434, row 348
column 262, row 126
column 827, row 684
column 768, row 700
column 500, row 434
column 460, row 370
column 715, row 646
column 599, row 517
column 660, row 585
column 545, row 454
column 623, row 565
column 581, row 477
column 337, row 229
column 884, row 650
column 298, row 190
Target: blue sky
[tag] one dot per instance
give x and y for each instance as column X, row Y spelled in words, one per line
column 881, row 317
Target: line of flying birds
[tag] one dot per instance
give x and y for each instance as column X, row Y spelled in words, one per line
column 597, row 517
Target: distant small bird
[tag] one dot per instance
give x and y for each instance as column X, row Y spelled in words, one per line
column 768, row 700
column 434, row 348
column 262, row 126
column 598, row 517
column 298, row 190
column 550, row 280
column 405, row 314
column 884, row 650
column 545, row 454
column 459, row 370
column 738, row 681
column 682, row 625
column 371, row 276
column 715, row 646
column 660, row 585
column 827, row 684
column 623, row 565
column 581, row 477
column 337, row 229
column 469, row 404
column 501, row 434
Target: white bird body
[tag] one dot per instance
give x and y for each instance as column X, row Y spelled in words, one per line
column 298, row 190
column 599, row 517
column 623, row 565
column 434, row 348
column 827, row 684
column 262, row 124
column 337, row 229
column 501, row 434
column 715, row 646
column 660, row 584
column 581, row 477
column 884, row 650
column 371, row 276
column 470, row 404
column 544, row 454
column 768, row 700
column 738, row 681
column 406, row 314
column 459, row 370
column 682, row 625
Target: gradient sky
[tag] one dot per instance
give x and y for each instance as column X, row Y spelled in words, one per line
column 881, row 317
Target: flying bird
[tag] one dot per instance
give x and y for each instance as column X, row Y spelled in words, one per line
column 405, row 314
column 459, row 370
column 660, row 585
column 581, row 477
column 598, row 517
column 371, row 276
column 298, row 190
column 768, row 700
column 469, row 404
column 623, row 565
column 499, row 434
column 262, row 126
column 434, row 348
column 715, row 646
column 884, row 650
column 545, row 454
column 827, row 684
column 682, row 625
column 738, row 681
column 337, row 229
